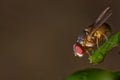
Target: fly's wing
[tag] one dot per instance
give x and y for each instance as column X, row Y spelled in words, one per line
column 102, row 18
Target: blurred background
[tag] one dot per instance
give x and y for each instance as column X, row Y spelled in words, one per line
column 37, row 37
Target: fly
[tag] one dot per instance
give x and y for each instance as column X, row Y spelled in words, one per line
column 92, row 36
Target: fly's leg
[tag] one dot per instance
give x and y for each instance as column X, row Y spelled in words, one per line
column 75, row 54
column 97, row 42
column 106, row 38
column 96, row 39
column 88, row 54
column 86, row 32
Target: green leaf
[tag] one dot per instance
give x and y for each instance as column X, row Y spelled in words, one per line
column 99, row 53
column 94, row 74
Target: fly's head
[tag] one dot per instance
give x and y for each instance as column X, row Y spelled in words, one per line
column 78, row 46
column 78, row 49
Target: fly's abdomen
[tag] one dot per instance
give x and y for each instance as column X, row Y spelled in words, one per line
column 103, row 32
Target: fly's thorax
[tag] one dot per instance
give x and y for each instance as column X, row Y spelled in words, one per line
column 86, row 40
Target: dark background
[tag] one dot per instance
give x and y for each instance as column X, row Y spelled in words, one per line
column 37, row 36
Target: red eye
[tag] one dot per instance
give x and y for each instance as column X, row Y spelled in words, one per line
column 78, row 49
